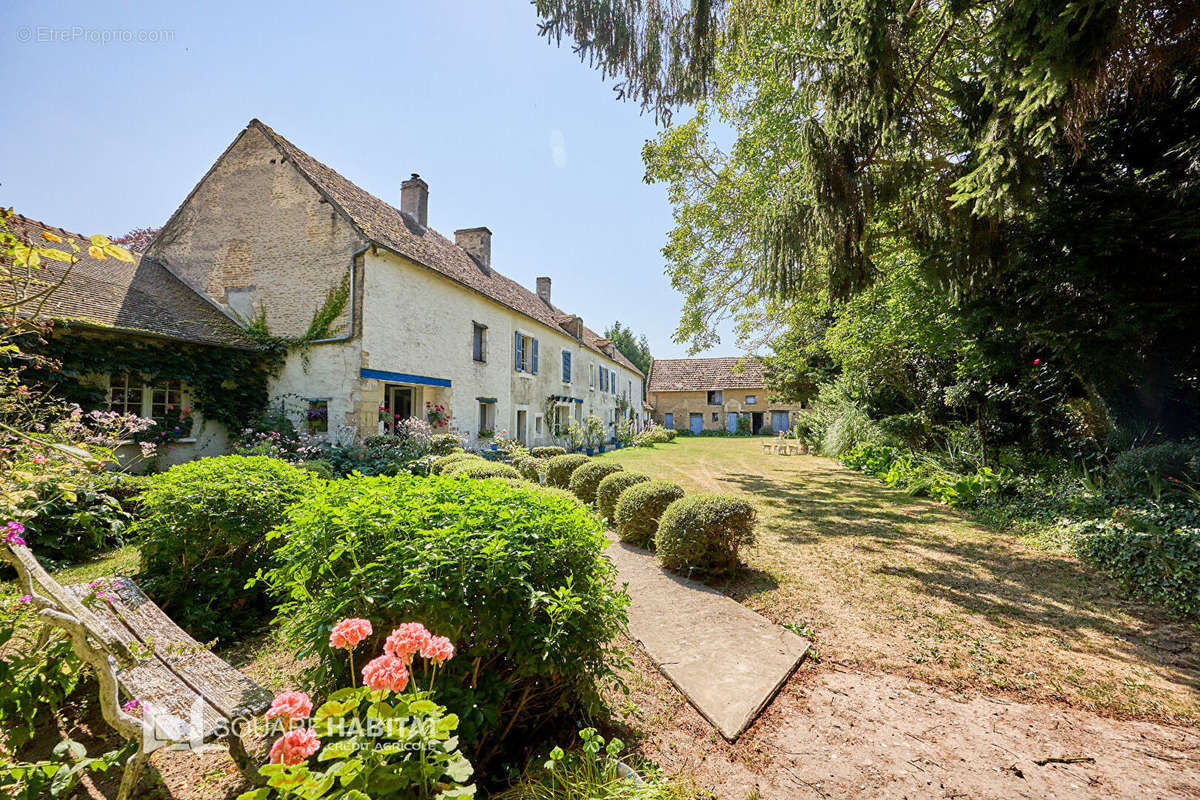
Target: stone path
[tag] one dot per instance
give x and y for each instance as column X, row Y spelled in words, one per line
column 726, row 660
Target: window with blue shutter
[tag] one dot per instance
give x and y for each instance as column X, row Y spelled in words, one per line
column 518, row 353
column 603, row 379
column 534, row 358
column 566, row 366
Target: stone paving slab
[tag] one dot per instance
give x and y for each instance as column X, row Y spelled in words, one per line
column 727, row 660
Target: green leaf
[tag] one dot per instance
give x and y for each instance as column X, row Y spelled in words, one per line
column 255, row 794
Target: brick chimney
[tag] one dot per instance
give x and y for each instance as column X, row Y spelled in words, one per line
column 477, row 242
column 543, row 289
column 414, row 199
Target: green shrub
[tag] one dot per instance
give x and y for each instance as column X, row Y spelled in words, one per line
column 639, row 508
column 443, row 444
column 1154, row 550
column 36, row 677
column 587, row 477
column 560, row 468
column 480, row 469
column 319, row 467
column 703, row 532
column 610, row 488
column 670, row 434
column 873, row 459
column 521, row 483
column 529, row 467
column 548, row 451
column 203, row 532
column 444, row 463
column 514, row 575
column 1140, row 469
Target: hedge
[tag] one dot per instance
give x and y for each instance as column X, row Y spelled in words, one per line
column 560, row 468
column 548, row 451
column 610, row 489
column 529, row 467
column 203, row 529
column 587, row 477
column 703, row 532
column 482, row 469
column 443, row 463
column 639, row 508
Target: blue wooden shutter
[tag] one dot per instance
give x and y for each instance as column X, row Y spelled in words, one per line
column 534, row 358
column 517, row 354
column 566, row 366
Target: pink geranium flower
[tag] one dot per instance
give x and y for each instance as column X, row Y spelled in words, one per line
column 291, row 706
column 386, row 673
column 349, row 632
column 132, row 706
column 407, row 640
column 295, row 746
column 438, row 649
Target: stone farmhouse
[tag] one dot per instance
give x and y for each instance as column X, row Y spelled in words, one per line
column 389, row 319
column 713, row 394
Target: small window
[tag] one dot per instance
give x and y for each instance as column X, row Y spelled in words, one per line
column 124, row 394
column 485, row 417
column 714, row 416
column 317, row 418
column 591, row 376
column 165, row 397
column 566, row 366
column 751, row 399
column 525, row 353
column 714, row 398
column 537, row 425
column 479, row 342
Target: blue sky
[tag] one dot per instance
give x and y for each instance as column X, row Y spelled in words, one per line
column 509, row 131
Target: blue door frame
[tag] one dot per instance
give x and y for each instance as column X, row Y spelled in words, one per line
column 668, row 420
column 779, row 421
column 696, row 422
column 732, row 421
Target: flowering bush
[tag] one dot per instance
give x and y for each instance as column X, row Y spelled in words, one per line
column 516, row 575
column 203, row 534
column 443, row 444
column 386, row 738
column 437, row 414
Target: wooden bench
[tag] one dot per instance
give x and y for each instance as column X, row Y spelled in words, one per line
column 187, row 696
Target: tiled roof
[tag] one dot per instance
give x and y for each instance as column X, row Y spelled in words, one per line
column 705, row 374
column 396, row 231
column 142, row 296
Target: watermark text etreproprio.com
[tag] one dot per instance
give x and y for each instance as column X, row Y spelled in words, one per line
column 56, row 34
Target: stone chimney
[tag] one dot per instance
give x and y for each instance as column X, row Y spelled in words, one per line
column 543, row 289
column 477, row 242
column 414, row 199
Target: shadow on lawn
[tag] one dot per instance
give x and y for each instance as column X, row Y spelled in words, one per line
column 942, row 555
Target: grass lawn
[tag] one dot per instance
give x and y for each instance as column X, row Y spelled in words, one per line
column 883, row 581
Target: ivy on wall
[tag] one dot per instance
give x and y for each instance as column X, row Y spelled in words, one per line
column 227, row 385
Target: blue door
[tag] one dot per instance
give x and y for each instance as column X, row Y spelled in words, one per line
column 697, row 422
column 732, row 422
column 668, row 421
column 779, row 421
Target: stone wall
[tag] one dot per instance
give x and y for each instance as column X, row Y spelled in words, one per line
column 256, row 237
column 681, row 405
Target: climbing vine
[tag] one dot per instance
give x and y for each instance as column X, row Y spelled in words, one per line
column 227, row 385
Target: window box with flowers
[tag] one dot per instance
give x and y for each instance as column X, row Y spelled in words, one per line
column 437, row 414
column 487, row 433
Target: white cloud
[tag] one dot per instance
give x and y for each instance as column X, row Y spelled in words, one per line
column 558, row 148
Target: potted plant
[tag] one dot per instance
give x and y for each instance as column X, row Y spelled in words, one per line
column 437, row 414
column 486, row 434
column 593, row 433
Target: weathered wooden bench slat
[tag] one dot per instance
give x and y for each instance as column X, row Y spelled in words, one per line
column 171, row 701
column 226, row 689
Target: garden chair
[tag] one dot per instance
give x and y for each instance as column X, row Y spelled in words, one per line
column 187, row 695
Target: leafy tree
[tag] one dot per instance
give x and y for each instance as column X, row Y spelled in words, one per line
column 636, row 349
column 137, row 239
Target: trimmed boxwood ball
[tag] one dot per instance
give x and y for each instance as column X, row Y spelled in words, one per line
column 483, row 562
column 203, row 528
column 443, row 444
column 586, row 478
column 639, row 508
column 703, row 532
column 519, row 483
column 560, row 468
column 529, row 467
column 444, row 463
column 480, row 469
column 608, row 491
column 548, row 451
